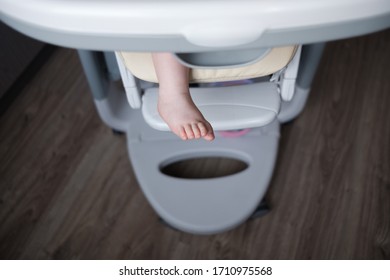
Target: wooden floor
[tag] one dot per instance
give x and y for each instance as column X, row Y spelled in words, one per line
column 67, row 189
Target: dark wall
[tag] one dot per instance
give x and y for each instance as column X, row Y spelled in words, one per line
column 16, row 53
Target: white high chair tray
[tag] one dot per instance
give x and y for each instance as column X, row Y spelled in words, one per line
column 184, row 25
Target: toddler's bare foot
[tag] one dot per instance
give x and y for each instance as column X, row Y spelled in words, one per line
column 182, row 116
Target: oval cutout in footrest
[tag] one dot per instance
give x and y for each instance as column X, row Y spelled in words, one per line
column 226, row 108
column 204, row 168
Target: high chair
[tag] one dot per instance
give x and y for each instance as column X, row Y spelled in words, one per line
column 279, row 41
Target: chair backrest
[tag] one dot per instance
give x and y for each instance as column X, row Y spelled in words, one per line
column 141, row 66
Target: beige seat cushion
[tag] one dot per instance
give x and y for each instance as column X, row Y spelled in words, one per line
column 141, row 66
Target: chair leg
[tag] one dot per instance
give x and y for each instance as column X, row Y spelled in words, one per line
column 261, row 210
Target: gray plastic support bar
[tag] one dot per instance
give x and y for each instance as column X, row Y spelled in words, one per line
column 310, row 59
column 94, row 68
column 112, row 66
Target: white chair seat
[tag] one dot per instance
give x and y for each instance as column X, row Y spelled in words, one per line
column 226, row 108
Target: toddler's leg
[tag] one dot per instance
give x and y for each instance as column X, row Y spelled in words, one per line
column 174, row 103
